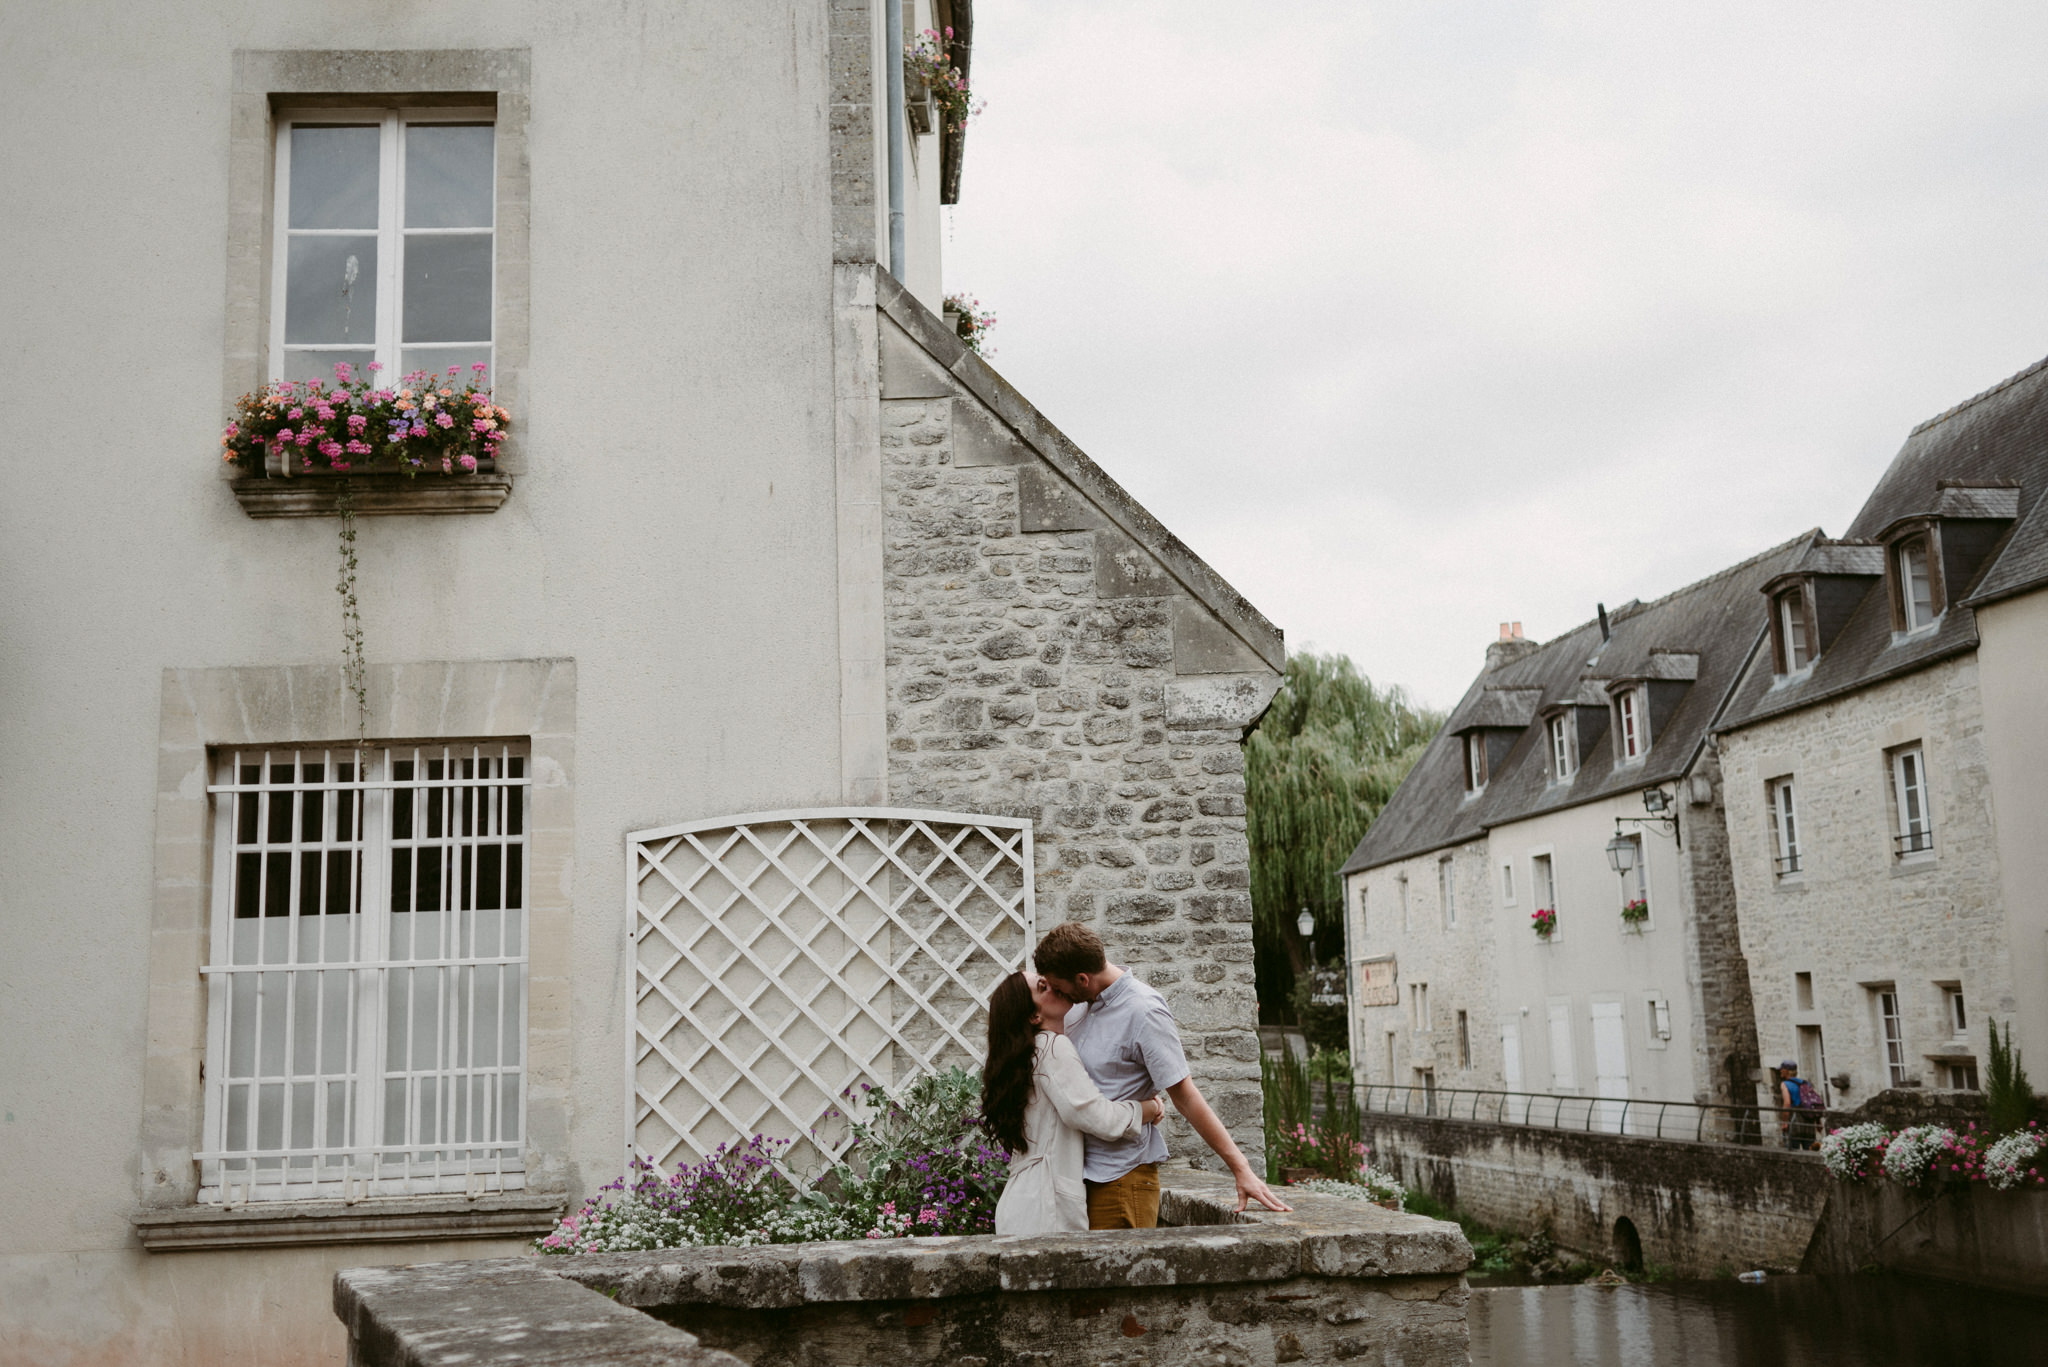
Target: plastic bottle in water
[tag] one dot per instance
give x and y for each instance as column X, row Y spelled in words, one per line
column 1750, row 1277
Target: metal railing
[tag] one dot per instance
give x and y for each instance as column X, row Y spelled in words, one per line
column 1913, row 842
column 1693, row 1121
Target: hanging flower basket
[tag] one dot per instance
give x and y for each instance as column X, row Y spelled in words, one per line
column 1543, row 921
column 927, row 65
column 1633, row 914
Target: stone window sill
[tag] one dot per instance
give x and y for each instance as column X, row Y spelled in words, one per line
column 406, row 1219
column 381, row 494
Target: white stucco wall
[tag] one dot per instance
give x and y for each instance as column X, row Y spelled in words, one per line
column 2012, row 662
column 1856, row 916
column 673, row 533
column 1594, row 954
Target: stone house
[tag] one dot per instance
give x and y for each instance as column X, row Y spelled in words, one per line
column 1557, row 753
column 297, row 980
column 1882, row 760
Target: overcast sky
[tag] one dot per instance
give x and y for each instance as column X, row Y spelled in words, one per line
column 1414, row 318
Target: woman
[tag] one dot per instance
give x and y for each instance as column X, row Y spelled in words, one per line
column 1037, row 1100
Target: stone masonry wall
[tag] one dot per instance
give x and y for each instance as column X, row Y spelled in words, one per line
column 1856, row 915
column 1018, row 686
column 1724, row 1025
column 1699, row 1209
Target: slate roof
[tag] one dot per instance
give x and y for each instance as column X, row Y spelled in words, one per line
column 1705, row 632
column 1953, row 466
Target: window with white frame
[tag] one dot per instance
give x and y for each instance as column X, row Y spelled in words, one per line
column 386, row 241
column 366, row 1003
column 1475, row 761
column 1892, row 1031
column 1635, row 884
column 1447, row 890
column 1784, row 827
column 1633, row 730
column 1794, row 650
column 1916, row 585
column 1543, row 878
column 1913, row 824
column 1955, row 1010
column 1418, row 1005
column 1659, row 1011
column 1364, row 922
column 1564, row 748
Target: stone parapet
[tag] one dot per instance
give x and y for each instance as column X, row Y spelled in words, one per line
column 1334, row 1279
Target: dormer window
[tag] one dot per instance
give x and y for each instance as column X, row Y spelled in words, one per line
column 1564, row 748
column 1475, row 761
column 1915, row 585
column 1795, row 647
column 1632, row 729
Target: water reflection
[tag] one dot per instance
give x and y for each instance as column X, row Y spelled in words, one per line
column 1870, row 1321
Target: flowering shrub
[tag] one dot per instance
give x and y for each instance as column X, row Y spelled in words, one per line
column 975, row 322
column 1920, row 1153
column 1854, row 1152
column 1544, row 920
column 1374, row 1184
column 919, row 1167
column 926, row 62
column 1636, row 912
column 1335, row 1156
column 2007, row 1163
column 427, row 422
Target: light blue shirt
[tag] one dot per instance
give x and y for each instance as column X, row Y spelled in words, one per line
column 1130, row 1045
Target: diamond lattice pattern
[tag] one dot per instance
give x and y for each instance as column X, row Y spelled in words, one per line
column 783, row 960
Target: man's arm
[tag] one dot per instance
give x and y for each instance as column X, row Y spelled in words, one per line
column 1187, row 1099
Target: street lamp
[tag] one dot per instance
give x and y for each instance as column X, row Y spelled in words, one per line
column 1621, row 854
column 1305, row 923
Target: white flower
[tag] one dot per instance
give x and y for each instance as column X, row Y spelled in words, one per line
column 1913, row 1150
column 1847, row 1151
column 2005, row 1162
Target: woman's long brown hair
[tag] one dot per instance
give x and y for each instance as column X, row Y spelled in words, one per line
column 1006, row 1076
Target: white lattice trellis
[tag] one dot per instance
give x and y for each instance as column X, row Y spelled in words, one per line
column 782, row 959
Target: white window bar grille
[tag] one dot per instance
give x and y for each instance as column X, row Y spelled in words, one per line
column 366, row 994
column 782, row 960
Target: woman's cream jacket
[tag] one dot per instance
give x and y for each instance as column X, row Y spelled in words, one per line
column 1044, row 1194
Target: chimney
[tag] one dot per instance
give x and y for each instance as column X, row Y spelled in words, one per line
column 1509, row 647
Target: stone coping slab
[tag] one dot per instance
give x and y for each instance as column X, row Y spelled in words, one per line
column 587, row 1306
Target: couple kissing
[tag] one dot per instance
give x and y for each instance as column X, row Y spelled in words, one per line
column 1080, row 1052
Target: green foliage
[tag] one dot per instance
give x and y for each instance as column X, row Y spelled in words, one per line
column 1326, row 1028
column 2008, row 1098
column 1329, row 753
column 1296, row 1137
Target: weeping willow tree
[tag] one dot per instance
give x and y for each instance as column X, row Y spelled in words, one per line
column 1328, row 755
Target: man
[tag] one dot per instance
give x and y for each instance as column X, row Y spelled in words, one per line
column 1795, row 1127
column 1131, row 1047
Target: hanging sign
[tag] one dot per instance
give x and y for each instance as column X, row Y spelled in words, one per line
column 1376, row 982
column 1328, row 987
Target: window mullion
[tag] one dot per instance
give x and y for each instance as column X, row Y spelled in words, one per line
column 391, row 243
column 219, row 986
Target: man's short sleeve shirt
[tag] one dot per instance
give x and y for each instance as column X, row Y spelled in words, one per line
column 1130, row 1044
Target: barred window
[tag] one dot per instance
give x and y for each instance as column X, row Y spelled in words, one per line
column 366, row 1003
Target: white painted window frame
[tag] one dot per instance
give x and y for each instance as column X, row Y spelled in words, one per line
column 1447, row 890
column 1637, row 883
column 1475, row 763
column 1545, row 861
column 1912, row 835
column 1632, row 724
column 1656, row 1021
column 1564, row 748
column 1955, row 1010
column 1782, row 795
column 391, row 230
column 1891, row 1032
column 367, row 1163
column 1903, row 557
column 1791, row 606
column 1418, row 1006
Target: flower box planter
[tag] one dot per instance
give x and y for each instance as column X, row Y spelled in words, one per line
column 917, row 103
column 378, row 492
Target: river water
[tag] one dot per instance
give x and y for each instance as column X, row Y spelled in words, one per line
column 1863, row 1321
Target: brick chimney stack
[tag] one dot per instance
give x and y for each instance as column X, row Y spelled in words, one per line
column 1509, row 647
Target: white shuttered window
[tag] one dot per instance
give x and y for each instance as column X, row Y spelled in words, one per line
column 366, row 989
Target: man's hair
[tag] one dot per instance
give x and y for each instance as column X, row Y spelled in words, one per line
column 1068, row 950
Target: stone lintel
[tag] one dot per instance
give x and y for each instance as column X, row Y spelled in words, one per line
column 1218, row 702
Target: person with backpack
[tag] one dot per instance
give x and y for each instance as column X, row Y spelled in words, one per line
column 1799, row 1107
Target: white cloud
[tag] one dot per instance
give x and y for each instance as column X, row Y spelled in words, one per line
column 1412, row 318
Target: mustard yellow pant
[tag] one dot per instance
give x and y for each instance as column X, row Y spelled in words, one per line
column 1127, row 1202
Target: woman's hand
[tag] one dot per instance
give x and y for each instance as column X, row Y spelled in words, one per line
column 1154, row 1110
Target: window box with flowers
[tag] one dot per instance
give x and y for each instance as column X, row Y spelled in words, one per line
column 1543, row 921
column 1635, row 914
column 314, row 448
